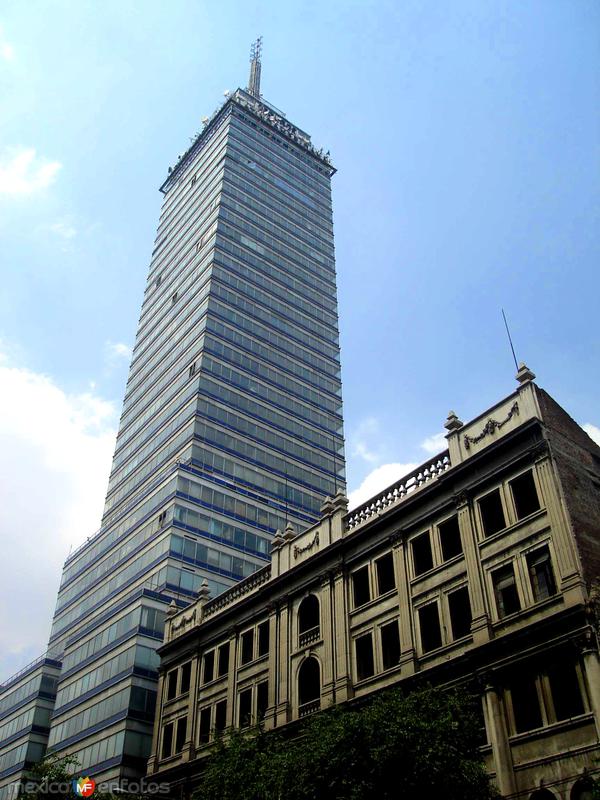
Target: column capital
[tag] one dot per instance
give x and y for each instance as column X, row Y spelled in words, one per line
column 461, row 500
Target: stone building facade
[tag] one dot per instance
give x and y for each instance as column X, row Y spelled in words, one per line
column 479, row 568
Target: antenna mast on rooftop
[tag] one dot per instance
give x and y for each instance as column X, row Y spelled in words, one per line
column 254, row 82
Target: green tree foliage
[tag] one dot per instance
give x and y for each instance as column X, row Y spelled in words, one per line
column 424, row 744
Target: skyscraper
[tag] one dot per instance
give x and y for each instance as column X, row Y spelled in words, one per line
column 231, row 425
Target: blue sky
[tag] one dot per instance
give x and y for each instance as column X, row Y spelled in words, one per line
column 466, row 137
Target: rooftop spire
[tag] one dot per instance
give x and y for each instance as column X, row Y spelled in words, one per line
column 254, row 82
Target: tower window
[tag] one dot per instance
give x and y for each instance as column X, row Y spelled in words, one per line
column 158, row 281
column 204, row 726
column 505, row 590
column 527, row 713
column 422, row 555
column 221, row 715
column 186, row 672
column 181, row 734
column 566, row 694
column 541, row 576
column 247, row 646
column 460, row 612
column 360, row 586
column 365, row 666
column 245, row 708
column 386, row 580
column 174, row 298
column 429, row 625
column 262, row 700
column 224, row 659
column 171, row 684
column 192, row 369
column 263, row 638
column 390, row 645
column 492, row 513
column 209, row 666
column 525, row 495
column 450, row 538
column 167, row 741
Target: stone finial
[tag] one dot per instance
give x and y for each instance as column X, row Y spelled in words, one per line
column 326, row 507
column 524, row 374
column 277, row 540
column 453, row 423
column 289, row 532
column 172, row 609
column 340, row 500
column 204, row 591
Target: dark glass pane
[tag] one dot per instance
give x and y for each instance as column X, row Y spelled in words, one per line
column 224, row 659
column 181, row 734
column 450, row 538
column 186, row 672
column 492, row 514
column 245, row 708
column 360, row 586
column 505, row 589
column 525, row 703
column 209, row 667
column 247, row 646
column 386, row 580
column 221, row 715
column 540, row 574
column 525, row 495
column 460, row 612
column 262, row 700
column 263, row 638
column 566, row 694
column 167, row 742
column 422, row 555
column 364, row 657
column 171, row 684
column 390, row 645
column 429, row 623
column 204, row 726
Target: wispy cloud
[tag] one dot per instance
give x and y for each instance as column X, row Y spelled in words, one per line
column 433, row 445
column 593, row 431
column 117, row 351
column 63, row 229
column 23, row 172
column 365, row 441
column 377, row 480
column 54, row 476
column 7, row 51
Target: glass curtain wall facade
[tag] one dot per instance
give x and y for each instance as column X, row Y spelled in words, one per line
column 231, row 425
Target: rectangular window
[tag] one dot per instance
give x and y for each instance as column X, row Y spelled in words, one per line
column 245, row 708
column 386, row 580
column 390, row 645
column 525, row 703
column 429, row 625
column 181, row 734
column 505, row 590
column 566, row 694
column 204, row 726
column 525, row 495
column 186, row 672
column 167, row 741
column 360, row 586
column 492, row 513
column 421, row 552
column 209, row 667
column 450, row 538
column 460, row 612
column 224, row 659
column 263, row 638
column 262, row 700
column 365, row 666
column 171, row 684
column 221, row 715
column 247, row 646
column 541, row 576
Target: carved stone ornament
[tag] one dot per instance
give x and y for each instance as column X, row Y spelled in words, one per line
column 491, row 426
column 313, row 543
column 461, row 499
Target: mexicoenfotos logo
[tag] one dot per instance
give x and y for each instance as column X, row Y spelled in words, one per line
column 84, row 786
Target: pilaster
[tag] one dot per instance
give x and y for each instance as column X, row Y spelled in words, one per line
column 496, row 727
column 408, row 653
column 480, row 623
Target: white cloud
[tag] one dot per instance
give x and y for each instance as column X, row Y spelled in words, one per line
column 63, row 229
column 7, row 51
column 435, row 444
column 116, row 351
column 365, row 441
column 377, row 480
column 23, row 172
column 54, row 461
column 593, row 431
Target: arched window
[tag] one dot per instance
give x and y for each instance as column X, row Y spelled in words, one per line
column 309, row 687
column 309, row 629
column 583, row 790
column 542, row 794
